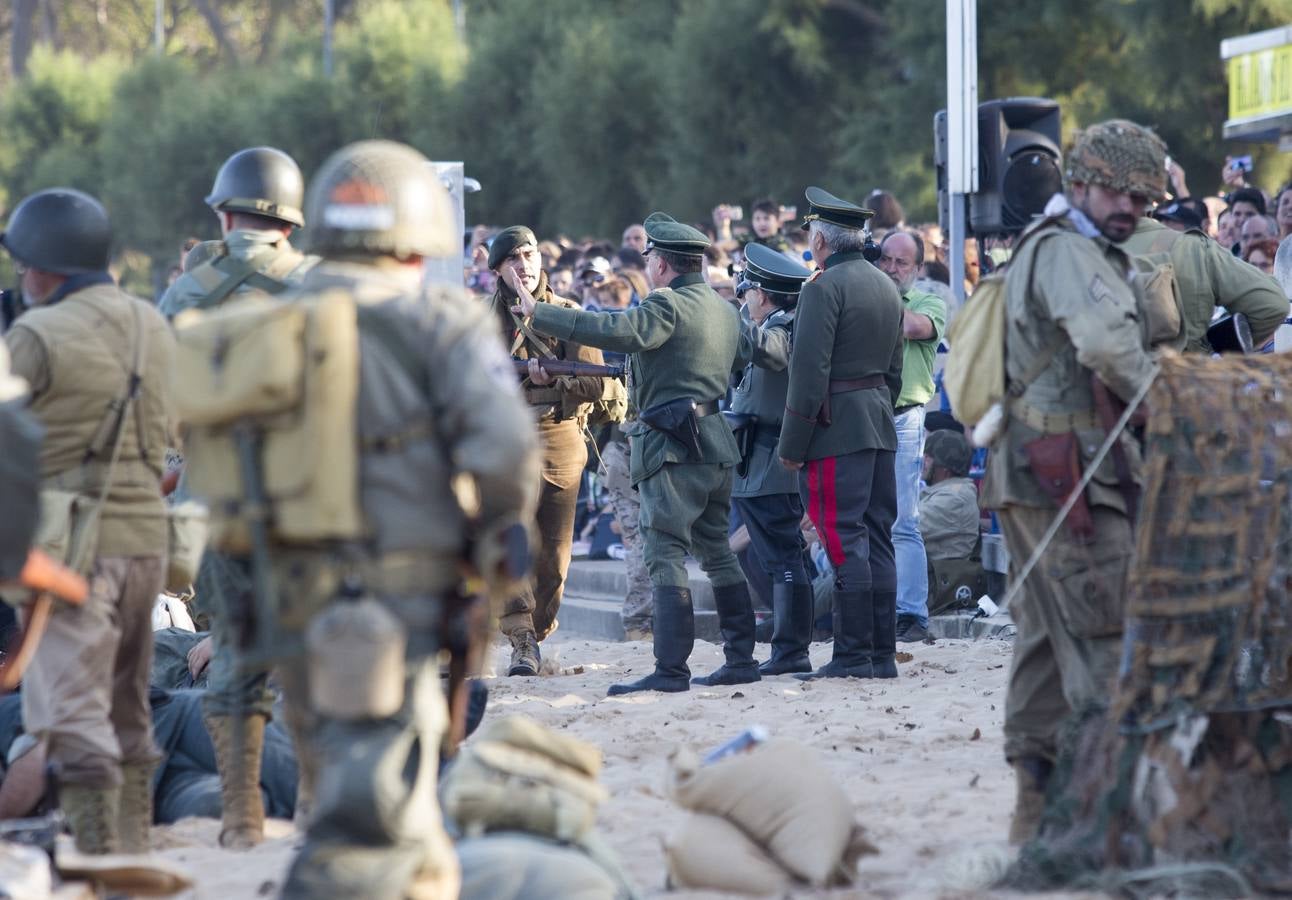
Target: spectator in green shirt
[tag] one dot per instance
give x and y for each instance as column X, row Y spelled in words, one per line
column 924, row 318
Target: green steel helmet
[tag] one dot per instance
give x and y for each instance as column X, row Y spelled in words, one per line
column 59, row 230
column 261, row 181
column 380, row 198
column 1122, row 156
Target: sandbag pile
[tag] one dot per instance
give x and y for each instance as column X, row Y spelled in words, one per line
column 522, row 801
column 763, row 822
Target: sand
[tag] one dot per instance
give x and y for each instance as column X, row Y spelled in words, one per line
column 919, row 756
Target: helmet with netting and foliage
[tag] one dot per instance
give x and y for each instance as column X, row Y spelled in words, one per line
column 261, row 181
column 59, row 230
column 1122, row 156
column 380, row 198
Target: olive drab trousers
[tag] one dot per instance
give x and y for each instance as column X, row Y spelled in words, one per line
column 1069, row 619
column 564, row 455
column 375, row 827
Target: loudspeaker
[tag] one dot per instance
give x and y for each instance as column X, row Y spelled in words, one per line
column 1019, row 164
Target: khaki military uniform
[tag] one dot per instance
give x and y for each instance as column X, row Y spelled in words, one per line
column 86, row 690
column 1076, row 315
column 560, row 410
column 623, row 499
column 252, row 261
column 1208, row 276
column 437, row 399
column 949, row 518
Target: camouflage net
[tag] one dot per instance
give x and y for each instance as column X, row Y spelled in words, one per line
column 1185, row 784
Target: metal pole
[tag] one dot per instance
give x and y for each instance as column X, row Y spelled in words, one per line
column 329, row 19
column 962, row 127
column 159, row 26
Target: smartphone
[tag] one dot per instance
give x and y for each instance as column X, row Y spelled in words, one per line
column 1241, row 164
column 737, row 213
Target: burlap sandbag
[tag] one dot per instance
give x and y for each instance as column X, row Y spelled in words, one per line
column 785, row 800
column 709, row 853
column 516, row 775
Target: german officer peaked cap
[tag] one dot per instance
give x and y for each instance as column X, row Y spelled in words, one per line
column 771, row 271
column 826, row 207
column 663, row 232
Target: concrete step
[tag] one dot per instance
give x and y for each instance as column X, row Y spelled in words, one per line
column 598, row 618
column 609, row 578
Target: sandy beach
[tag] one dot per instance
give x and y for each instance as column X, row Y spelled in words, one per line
column 920, row 757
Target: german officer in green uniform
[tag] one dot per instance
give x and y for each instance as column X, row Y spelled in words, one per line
column 1072, row 313
column 765, row 495
column 559, row 405
column 257, row 196
column 683, row 340
column 838, row 432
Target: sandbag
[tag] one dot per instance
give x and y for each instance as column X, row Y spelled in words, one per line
column 709, row 853
column 522, row 867
column 784, row 798
column 516, row 775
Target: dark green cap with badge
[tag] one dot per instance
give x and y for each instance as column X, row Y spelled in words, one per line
column 506, row 242
column 663, row 232
column 771, row 271
column 826, row 207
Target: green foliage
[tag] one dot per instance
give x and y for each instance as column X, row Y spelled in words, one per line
column 580, row 116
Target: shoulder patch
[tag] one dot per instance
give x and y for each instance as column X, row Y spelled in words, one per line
column 1100, row 291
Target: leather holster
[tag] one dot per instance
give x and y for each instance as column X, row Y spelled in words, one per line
column 1055, row 460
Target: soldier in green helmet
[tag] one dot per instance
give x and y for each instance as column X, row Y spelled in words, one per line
column 1075, row 326
column 437, row 406
column 257, row 197
column 683, row 340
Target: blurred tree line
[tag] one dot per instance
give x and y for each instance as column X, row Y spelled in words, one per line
column 580, row 116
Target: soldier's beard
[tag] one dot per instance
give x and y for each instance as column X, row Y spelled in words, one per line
column 1118, row 227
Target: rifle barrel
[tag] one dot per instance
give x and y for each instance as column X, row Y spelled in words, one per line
column 569, row 368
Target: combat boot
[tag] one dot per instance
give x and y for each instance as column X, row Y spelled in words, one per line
column 853, row 634
column 674, row 629
column 135, row 810
column 1032, row 775
column 92, row 815
column 736, row 622
column 792, row 611
column 242, row 818
column 883, row 661
column 526, row 659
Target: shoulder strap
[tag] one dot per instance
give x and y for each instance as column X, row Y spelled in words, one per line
column 238, row 272
column 525, row 332
column 1042, row 362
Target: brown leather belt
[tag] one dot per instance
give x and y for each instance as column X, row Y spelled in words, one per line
column 846, row 385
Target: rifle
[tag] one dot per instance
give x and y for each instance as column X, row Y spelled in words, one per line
column 570, row 368
column 47, row 579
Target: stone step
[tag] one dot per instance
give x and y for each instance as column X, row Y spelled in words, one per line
column 609, row 578
column 598, row 618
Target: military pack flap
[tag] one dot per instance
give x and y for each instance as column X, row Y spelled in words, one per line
column 242, row 360
column 290, row 373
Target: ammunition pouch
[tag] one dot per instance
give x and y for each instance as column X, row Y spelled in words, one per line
column 744, row 427
column 1055, row 460
column 355, row 654
column 680, row 420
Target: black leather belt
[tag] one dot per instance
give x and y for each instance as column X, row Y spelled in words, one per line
column 706, row 409
column 905, row 409
column 847, row 385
